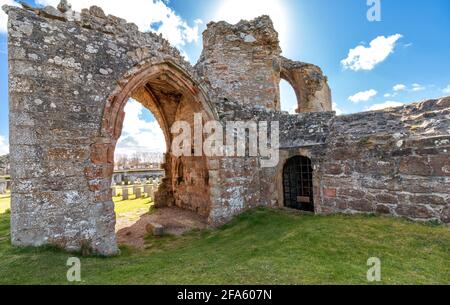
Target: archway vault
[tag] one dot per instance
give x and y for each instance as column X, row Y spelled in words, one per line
column 171, row 95
column 148, row 83
column 310, row 85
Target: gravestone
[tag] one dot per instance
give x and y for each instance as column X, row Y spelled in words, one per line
column 2, row 187
column 148, row 189
column 125, row 193
column 138, row 192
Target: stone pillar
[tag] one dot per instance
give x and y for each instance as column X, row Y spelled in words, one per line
column 114, row 191
column 125, row 193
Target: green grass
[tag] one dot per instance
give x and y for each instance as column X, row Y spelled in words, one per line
column 121, row 207
column 5, row 200
column 129, row 206
column 260, row 247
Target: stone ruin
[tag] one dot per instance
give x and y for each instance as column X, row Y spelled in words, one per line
column 71, row 74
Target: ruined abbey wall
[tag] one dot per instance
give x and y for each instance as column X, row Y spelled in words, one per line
column 71, row 75
column 393, row 162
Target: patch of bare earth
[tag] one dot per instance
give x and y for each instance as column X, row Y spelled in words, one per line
column 175, row 221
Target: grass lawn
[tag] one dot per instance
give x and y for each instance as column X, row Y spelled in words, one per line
column 260, row 247
column 121, row 207
column 5, row 202
column 129, row 206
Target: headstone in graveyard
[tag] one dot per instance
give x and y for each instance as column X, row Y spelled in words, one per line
column 148, row 190
column 138, row 192
column 2, row 186
column 125, row 193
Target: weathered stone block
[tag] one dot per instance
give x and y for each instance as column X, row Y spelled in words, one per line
column 386, row 198
column 361, row 205
column 414, row 211
column 428, row 199
column 383, row 209
column 330, row 192
column 155, row 229
column 413, row 165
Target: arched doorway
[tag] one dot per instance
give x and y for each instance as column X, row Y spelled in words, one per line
column 171, row 95
column 298, row 184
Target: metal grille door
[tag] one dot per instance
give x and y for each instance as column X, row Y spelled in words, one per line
column 298, row 184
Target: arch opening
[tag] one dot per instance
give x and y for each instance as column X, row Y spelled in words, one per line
column 171, row 96
column 288, row 97
column 137, row 168
column 298, row 184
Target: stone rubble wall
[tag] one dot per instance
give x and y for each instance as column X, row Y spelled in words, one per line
column 244, row 62
column 241, row 60
column 244, row 183
column 63, row 69
column 393, row 162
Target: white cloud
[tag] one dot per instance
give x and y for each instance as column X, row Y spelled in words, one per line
column 3, row 16
column 366, row 58
column 4, row 146
column 391, row 94
column 138, row 134
column 399, row 87
column 337, row 109
column 446, row 89
column 234, row 11
column 388, row 104
column 144, row 13
column 418, row 87
column 363, row 96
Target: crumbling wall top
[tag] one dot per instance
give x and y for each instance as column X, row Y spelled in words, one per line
column 259, row 31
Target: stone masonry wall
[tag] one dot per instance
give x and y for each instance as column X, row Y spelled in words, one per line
column 393, row 162
column 242, row 61
column 67, row 72
column 244, row 183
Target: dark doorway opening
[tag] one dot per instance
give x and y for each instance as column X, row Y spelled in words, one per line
column 298, row 184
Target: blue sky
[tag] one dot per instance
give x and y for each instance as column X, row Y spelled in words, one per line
column 410, row 45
